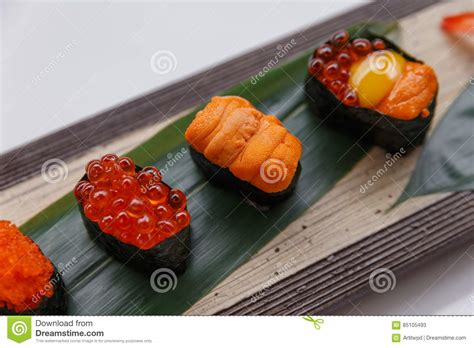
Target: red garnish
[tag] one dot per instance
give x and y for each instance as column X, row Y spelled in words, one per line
column 136, row 208
column 331, row 61
column 460, row 23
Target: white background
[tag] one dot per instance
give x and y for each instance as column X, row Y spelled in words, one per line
column 62, row 62
column 66, row 61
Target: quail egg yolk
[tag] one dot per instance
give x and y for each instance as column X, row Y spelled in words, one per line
column 374, row 76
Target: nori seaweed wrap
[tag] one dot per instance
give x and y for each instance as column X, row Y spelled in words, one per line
column 367, row 85
column 170, row 253
column 224, row 177
column 30, row 285
column 239, row 147
column 133, row 215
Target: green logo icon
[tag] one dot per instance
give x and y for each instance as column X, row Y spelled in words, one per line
column 19, row 329
column 316, row 322
column 395, row 325
column 395, row 337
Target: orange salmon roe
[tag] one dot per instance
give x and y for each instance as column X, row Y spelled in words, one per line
column 331, row 63
column 136, row 208
column 25, row 272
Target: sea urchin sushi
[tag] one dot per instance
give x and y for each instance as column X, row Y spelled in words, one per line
column 134, row 215
column 29, row 282
column 238, row 146
column 367, row 84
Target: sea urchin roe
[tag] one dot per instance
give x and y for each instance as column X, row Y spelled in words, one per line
column 135, row 207
column 412, row 93
column 25, row 272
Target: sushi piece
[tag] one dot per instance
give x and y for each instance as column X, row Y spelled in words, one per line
column 239, row 147
column 29, row 282
column 134, row 215
column 366, row 84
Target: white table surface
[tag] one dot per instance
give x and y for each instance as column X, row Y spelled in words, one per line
column 63, row 62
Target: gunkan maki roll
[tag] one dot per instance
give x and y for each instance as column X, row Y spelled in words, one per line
column 134, row 215
column 239, row 147
column 366, row 84
column 29, row 282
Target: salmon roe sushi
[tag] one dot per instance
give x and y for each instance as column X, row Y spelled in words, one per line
column 135, row 207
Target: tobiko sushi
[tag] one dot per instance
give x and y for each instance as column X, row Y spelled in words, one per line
column 29, row 282
column 238, row 146
column 134, row 215
column 369, row 85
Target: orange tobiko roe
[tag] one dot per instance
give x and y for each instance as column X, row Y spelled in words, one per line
column 25, row 272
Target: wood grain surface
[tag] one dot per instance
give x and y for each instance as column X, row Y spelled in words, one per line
column 328, row 254
column 324, row 286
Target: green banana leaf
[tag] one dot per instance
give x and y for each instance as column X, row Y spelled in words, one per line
column 225, row 231
column 446, row 163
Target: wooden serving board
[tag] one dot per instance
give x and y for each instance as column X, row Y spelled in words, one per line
column 327, row 255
